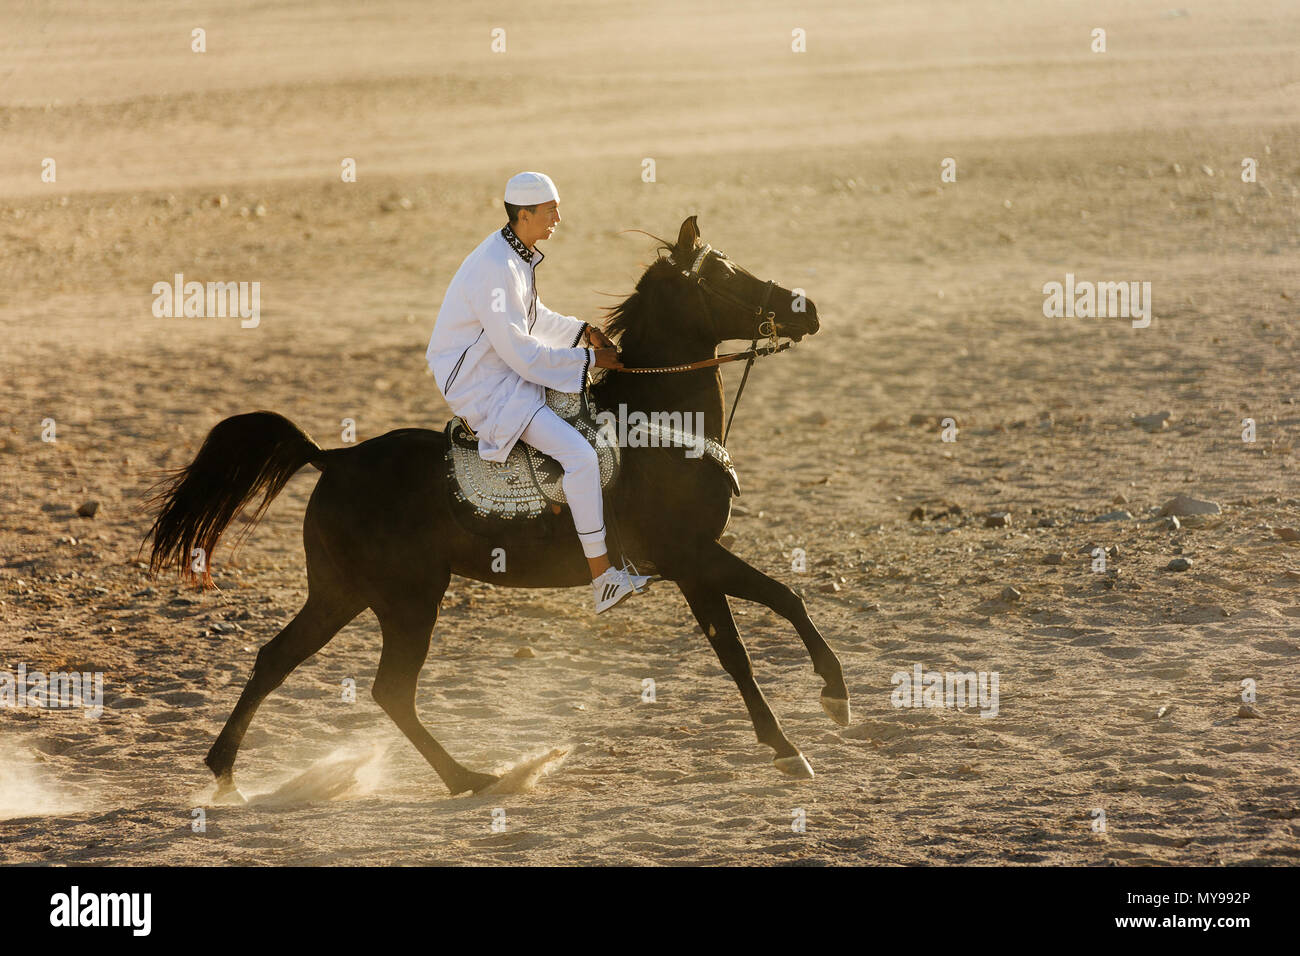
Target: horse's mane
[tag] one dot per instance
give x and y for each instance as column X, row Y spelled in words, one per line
column 628, row 317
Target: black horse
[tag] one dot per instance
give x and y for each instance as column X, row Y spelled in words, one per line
column 379, row 532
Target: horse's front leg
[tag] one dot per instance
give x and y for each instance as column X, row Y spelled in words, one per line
column 711, row 610
column 731, row 575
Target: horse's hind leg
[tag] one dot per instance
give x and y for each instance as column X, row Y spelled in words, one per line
column 712, row 611
column 407, row 631
column 310, row 630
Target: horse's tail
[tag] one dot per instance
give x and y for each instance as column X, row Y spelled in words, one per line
column 242, row 456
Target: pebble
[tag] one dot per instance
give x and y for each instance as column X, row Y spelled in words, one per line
column 1249, row 711
column 998, row 519
column 525, row 652
column 1057, row 558
column 1182, row 505
column 1114, row 516
column 1172, row 523
column 88, row 509
column 1153, row 422
column 1287, row 534
column 1010, row 594
column 1179, row 564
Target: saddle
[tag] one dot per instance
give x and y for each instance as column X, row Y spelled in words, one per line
column 528, row 483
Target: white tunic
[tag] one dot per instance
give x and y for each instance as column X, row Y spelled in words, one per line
column 495, row 345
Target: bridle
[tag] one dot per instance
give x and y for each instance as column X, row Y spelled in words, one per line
column 766, row 326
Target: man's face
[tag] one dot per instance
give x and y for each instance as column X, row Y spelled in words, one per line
column 540, row 224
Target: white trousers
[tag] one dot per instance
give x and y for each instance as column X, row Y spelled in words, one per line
column 551, row 434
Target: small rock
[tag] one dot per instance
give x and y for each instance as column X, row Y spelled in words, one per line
column 1114, row 516
column 1113, row 552
column 525, row 652
column 1179, row 564
column 1182, row 505
column 998, row 519
column 1287, row 534
column 1120, row 499
column 1292, row 575
column 830, row 587
column 1164, row 711
column 1249, row 711
column 1172, row 523
column 868, row 608
column 918, row 514
column 818, row 417
column 1047, row 522
column 727, row 540
column 88, row 509
column 147, row 592
column 1057, row 558
column 1010, row 594
column 1153, row 422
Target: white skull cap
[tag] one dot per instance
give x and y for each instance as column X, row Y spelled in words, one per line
column 529, row 189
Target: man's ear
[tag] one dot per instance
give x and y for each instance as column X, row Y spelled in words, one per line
column 689, row 236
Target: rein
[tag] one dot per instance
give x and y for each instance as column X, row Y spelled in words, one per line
column 766, row 328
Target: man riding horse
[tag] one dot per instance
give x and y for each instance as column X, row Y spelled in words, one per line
column 495, row 348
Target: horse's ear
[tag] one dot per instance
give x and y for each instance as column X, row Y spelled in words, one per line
column 689, row 236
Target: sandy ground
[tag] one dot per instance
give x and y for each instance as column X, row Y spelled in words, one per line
column 820, row 170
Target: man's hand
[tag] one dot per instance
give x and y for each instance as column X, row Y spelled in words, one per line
column 607, row 357
column 598, row 339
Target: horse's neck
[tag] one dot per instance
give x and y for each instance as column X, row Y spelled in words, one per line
column 696, row 391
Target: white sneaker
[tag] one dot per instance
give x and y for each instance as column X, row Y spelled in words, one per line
column 616, row 585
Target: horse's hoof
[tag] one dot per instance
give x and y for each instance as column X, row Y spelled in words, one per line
column 227, row 794
column 796, row 766
column 483, row 783
column 836, row 709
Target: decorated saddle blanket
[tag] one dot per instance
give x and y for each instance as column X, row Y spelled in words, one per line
column 528, row 483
